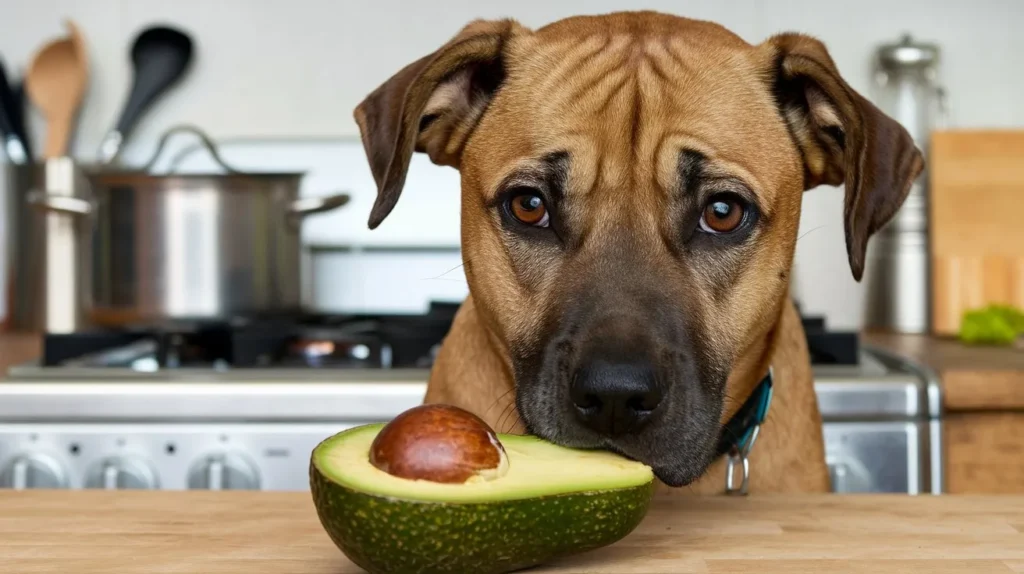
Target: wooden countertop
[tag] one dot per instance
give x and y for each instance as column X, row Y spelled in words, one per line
column 18, row 348
column 973, row 378
column 144, row 532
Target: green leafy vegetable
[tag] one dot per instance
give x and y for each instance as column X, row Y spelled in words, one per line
column 992, row 325
column 1012, row 316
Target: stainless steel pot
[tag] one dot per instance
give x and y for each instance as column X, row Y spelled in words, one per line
column 183, row 247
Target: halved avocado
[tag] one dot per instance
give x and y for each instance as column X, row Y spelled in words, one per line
column 552, row 502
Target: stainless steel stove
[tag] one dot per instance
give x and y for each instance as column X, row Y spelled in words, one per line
column 241, row 405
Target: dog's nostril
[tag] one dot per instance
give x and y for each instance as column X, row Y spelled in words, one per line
column 645, row 401
column 588, row 401
column 641, row 403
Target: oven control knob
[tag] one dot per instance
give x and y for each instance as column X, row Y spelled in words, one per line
column 224, row 471
column 122, row 473
column 33, row 471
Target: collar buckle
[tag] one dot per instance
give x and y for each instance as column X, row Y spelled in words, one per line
column 737, row 456
column 741, row 433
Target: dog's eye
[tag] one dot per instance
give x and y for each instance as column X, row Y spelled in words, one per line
column 529, row 208
column 724, row 213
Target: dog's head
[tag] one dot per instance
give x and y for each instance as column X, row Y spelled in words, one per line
column 631, row 191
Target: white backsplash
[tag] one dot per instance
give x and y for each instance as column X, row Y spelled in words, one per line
column 384, row 280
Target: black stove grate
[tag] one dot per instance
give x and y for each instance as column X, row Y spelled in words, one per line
column 830, row 347
column 314, row 341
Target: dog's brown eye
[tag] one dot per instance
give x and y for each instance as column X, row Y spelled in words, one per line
column 722, row 215
column 529, row 208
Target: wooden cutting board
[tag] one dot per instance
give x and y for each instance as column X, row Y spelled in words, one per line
column 232, row 532
column 977, row 222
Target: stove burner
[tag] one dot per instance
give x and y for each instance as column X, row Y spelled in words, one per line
column 315, row 341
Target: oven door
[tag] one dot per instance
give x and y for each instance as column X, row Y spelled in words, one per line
column 878, row 456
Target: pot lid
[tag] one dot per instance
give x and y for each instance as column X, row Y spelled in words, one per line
column 147, row 171
column 907, row 53
column 106, row 172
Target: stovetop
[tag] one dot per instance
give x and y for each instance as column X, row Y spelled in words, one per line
column 309, row 343
column 287, row 342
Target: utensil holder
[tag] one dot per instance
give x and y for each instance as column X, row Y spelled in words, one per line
column 47, row 209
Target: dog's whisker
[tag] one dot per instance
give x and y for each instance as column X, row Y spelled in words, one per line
column 809, row 231
column 439, row 277
column 499, row 421
column 505, row 417
column 498, row 400
column 500, row 427
column 514, row 422
column 501, row 415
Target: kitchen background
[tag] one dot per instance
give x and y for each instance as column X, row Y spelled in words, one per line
column 267, row 72
column 229, row 403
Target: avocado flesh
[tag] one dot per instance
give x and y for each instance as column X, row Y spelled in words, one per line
column 553, row 502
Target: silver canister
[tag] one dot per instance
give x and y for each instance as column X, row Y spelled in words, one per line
column 47, row 247
column 897, row 276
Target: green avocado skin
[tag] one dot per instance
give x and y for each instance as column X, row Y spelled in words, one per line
column 384, row 535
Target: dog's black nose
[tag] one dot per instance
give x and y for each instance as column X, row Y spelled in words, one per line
column 615, row 398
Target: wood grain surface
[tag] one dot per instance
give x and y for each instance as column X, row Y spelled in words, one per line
column 985, row 453
column 18, row 348
column 977, row 241
column 127, row 532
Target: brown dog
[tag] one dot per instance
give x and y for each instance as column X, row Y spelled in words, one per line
column 631, row 191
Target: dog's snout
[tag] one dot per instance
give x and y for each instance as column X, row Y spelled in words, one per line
column 615, row 398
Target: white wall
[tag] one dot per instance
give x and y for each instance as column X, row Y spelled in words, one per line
column 271, row 68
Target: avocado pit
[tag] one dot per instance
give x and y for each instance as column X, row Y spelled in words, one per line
column 439, row 443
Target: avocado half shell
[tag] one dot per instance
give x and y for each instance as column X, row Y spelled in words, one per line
column 551, row 503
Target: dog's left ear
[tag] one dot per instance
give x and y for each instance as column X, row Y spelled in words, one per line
column 844, row 139
column 432, row 105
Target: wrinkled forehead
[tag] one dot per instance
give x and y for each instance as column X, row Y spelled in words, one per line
column 624, row 107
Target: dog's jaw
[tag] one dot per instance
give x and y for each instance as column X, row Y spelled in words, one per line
column 676, row 461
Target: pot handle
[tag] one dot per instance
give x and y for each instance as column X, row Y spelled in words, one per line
column 59, row 203
column 203, row 138
column 311, row 205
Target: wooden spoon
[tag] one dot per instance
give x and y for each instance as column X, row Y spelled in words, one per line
column 56, row 83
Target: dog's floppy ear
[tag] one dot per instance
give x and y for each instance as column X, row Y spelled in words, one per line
column 844, row 139
column 432, row 105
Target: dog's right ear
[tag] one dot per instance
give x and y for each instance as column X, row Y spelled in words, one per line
column 432, row 106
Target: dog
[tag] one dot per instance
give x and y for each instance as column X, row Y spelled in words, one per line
column 631, row 190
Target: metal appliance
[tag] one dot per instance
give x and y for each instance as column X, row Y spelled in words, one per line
column 241, row 404
column 47, row 253
column 897, row 273
column 882, row 425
